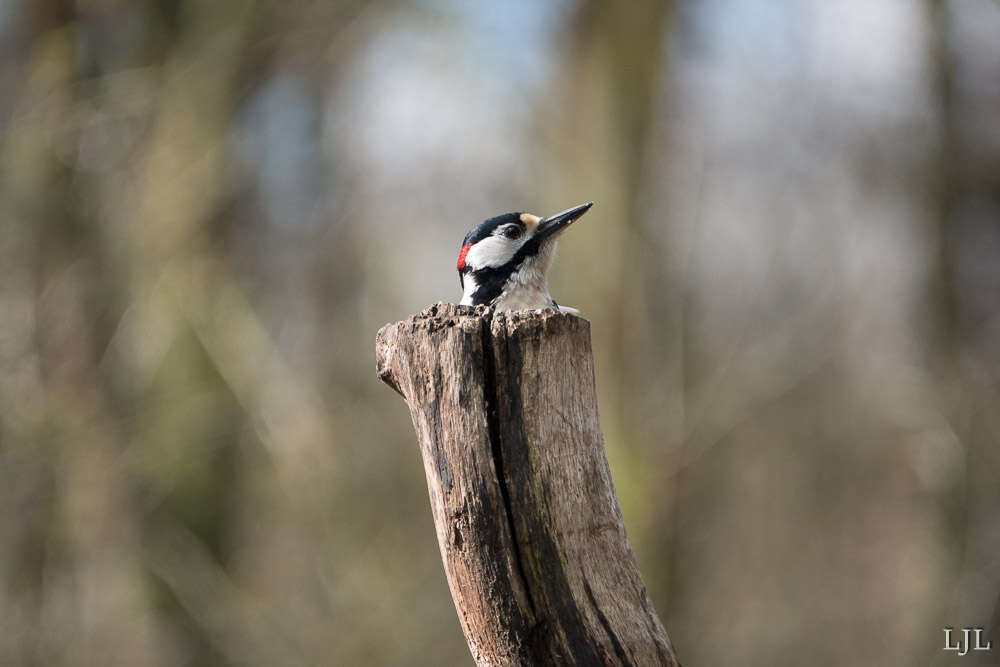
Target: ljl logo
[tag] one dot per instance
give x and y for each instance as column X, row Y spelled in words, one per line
column 962, row 645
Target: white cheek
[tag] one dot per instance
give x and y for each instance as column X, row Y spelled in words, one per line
column 491, row 251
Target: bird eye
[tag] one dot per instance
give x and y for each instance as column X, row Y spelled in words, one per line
column 512, row 232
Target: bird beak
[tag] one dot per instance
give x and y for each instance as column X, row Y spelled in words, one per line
column 554, row 224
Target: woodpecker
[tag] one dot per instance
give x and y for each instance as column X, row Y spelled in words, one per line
column 503, row 260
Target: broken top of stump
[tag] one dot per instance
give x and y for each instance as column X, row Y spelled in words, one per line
column 531, row 534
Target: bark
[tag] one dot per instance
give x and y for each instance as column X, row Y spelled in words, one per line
column 530, row 531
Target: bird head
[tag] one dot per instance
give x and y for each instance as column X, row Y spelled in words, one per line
column 510, row 248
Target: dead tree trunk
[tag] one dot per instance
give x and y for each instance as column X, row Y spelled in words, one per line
column 530, row 531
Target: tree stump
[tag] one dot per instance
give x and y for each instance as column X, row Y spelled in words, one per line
column 530, row 531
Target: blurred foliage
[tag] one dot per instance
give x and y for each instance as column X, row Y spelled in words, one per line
column 208, row 207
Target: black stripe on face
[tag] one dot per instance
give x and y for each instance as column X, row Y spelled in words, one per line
column 490, row 280
column 489, row 284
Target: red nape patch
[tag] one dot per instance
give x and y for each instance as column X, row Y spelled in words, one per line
column 461, row 255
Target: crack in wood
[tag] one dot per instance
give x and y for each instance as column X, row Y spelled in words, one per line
column 619, row 649
column 491, row 398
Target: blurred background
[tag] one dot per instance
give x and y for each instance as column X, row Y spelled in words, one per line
column 792, row 271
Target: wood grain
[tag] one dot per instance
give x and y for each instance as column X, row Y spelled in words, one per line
column 530, row 531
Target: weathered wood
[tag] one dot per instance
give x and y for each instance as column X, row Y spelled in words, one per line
column 531, row 535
